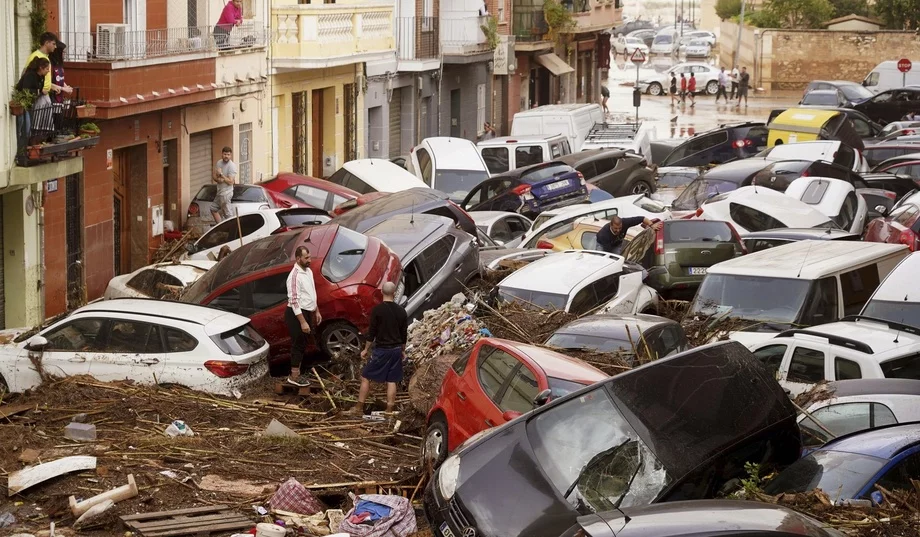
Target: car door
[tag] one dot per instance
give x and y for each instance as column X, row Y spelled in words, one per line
column 807, row 366
column 494, row 368
column 773, row 358
column 132, row 349
column 439, row 281
column 183, row 359
column 875, row 108
column 71, row 346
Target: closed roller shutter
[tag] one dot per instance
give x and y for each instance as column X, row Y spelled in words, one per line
column 200, row 161
column 2, row 279
column 395, row 123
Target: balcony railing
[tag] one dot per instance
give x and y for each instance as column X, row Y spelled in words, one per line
column 51, row 133
column 417, row 38
column 114, row 42
column 529, row 25
column 464, row 35
column 330, row 34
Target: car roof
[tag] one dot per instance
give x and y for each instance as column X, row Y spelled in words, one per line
column 187, row 270
column 799, row 234
column 290, row 178
column 737, row 170
column 901, row 283
column 613, row 326
column 448, row 153
column 848, row 388
column 383, row 175
column 807, row 259
column 556, row 108
column 883, row 340
column 575, row 158
column 528, row 139
column 823, row 91
column 404, row 232
column 882, row 442
column 397, row 201
column 485, row 218
column 519, row 173
column 770, row 202
column 561, row 272
column 553, row 363
column 213, row 320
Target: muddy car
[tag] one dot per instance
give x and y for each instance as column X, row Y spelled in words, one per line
column 646, row 436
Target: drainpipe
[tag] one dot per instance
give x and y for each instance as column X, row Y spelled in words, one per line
column 39, row 201
column 760, row 57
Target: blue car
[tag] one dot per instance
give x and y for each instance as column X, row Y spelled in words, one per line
column 529, row 190
column 849, row 467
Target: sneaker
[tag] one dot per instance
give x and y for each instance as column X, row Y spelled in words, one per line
column 301, row 381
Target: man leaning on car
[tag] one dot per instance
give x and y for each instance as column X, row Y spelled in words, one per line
column 610, row 238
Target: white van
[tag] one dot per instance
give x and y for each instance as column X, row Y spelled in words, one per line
column 897, row 299
column 374, row 175
column 802, row 283
column 626, row 136
column 886, row 76
column 451, row 165
column 512, row 152
column 572, row 120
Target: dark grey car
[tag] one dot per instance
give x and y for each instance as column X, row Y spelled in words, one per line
column 616, row 171
column 438, row 259
column 645, row 335
column 418, row 200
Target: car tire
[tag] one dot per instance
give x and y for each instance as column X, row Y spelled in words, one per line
column 712, row 87
column 434, row 446
column 655, row 89
column 639, row 187
column 340, row 338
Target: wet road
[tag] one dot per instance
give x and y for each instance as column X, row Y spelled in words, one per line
column 658, row 112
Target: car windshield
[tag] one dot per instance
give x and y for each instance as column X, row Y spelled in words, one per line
column 663, row 40
column 854, row 92
column 753, row 298
column 535, row 298
column 698, row 43
column 675, row 179
column 820, row 98
column 593, row 457
column 897, row 312
column 458, row 183
column 586, row 342
column 839, row 474
column 699, row 190
column 562, row 387
column 677, row 231
column 345, row 255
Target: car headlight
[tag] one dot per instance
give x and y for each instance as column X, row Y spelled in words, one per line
column 449, row 476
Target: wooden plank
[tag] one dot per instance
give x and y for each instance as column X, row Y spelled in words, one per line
column 11, row 410
column 163, row 514
column 350, row 484
column 187, row 524
column 206, row 529
column 33, row 475
column 182, row 522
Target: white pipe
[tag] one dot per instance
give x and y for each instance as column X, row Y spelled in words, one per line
column 116, row 495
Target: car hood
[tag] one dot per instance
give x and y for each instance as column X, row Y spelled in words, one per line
column 491, row 258
column 750, row 339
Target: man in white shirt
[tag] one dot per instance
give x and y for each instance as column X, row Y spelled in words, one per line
column 224, row 176
column 301, row 316
column 736, row 75
column 723, row 82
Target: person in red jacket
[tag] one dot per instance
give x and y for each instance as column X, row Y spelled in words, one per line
column 683, row 89
column 691, row 88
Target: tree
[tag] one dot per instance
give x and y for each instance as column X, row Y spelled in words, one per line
column 726, row 9
column 842, row 8
column 801, row 13
column 898, row 14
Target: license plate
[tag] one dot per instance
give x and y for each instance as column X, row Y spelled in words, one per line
column 445, row 531
column 557, row 185
column 694, row 271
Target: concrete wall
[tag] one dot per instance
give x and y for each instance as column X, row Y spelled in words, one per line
column 789, row 59
column 465, row 78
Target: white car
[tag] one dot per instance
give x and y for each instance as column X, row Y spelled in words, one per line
column 580, row 281
column 839, row 351
column 753, row 208
column 628, row 45
column 624, row 207
column 451, row 165
column 834, row 198
column 145, row 341
column 829, row 150
column 701, row 35
column 246, row 199
column 504, row 228
column 897, row 298
column 162, row 280
column 235, row 232
column 707, row 78
column 368, row 175
column 696, row 48
column 665, row 44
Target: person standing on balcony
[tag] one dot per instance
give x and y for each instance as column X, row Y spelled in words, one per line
column 32, row 81
column 57, row 73
column 224, row 176
column 46, row 44
column 231, row 16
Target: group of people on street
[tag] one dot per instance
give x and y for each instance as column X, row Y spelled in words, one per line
column 740, row 83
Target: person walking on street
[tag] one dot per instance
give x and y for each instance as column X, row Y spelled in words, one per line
column 744, row 82
column 683, row 89
column 224, row 176
column 388, row 333
column 231, row 16
column 734, row 79
column 605, row 94
column 301, row 316
column 610, row 238
column 691, row 90
column 723, row 82
column 673, row 89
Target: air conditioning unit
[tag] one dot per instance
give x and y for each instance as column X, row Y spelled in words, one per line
column 111, row 41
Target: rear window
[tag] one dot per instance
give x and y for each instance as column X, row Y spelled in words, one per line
column 699, row 190
column 751, row 219
column 345, row 255
column 543, row 173
column 697, row 231
column 458, row 183
column 534, row 298
column 907, row 367
column 663, row 39
column 815, row 192
column 821, row 98
column 240, row 341
column 588, row 342
column 675, row 179
column 648, row 204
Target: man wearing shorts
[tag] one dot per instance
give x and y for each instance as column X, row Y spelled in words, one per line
column 224, row 176
column 387, row 332
column 744, row 83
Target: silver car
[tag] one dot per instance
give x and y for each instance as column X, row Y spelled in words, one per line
column 707, row 78
column 696, row 48
column 246, row 199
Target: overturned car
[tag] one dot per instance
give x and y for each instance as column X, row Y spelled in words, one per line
column 678, row 428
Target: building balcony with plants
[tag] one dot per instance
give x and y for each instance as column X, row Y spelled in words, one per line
column 54, row 133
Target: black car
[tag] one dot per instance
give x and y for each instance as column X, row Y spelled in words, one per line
column 701, row 518
column 649, row 336
column 823, row 98
column 851, row 92
column 418, row 200
column 761, row 240
column 529, row 190
column 891, row 105
column 729, row 142
column 864, row 127
column 900, row 184
column 632, row 26
column 615, row 171
column 678, row 428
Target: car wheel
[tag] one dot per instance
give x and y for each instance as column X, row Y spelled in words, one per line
column 434, row 448
column 341, row 338
column 712, row 87
column 640, row 187
column 655, row 89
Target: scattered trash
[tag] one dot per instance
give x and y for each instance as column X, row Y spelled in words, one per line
column 261, row 511
column 276, row 428
column 270, row 530
column 33, row 475
column 391, row 515
column 450, row 328
column 170, row 474
column 294, row 497
column 115, row 495
column 240, row 487
column 6, row 520
column 179, row 428
column 191, row 521
column 80, row 432
column 93, row 514
column 79, row 418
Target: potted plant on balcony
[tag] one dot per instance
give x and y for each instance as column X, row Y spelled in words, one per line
column 86, row 110
column 89, row 129
column 20, row 101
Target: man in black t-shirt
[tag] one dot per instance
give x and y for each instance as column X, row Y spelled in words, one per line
column 610, row 238
column 388, row 331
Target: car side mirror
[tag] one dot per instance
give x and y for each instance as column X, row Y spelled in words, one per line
column 37, row 343
column 498, row 242
column 510, row 415
column 542, row 398
column 881, row 209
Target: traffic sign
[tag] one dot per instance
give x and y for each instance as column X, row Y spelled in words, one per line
column 904, row 65
column 637, row 57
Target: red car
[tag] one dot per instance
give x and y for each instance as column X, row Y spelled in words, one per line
column 290, row 190
column 902, row 226
column 348, row 269
column 344, row 207
column 495, row 382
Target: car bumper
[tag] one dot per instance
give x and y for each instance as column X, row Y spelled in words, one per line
column 446, row 517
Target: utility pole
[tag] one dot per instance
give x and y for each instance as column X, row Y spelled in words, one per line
column 737, row 55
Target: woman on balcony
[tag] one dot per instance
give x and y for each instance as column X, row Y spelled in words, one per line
column 231, row 16
column 57, row 80
column 32, row 81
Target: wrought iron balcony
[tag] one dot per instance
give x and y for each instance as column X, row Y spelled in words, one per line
column 52, row 133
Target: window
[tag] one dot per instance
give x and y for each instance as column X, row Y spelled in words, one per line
column 583, row 301
column 862, row 127
column 904, row 215
column 558, row 149
column 269, row 291
column 821, row 302
column 847, row 212
column 501, row 11
column 857, row 287
column 846, row 369
column 588, row 169
column 589, row 240
column 496, row 159
column 75, row 336
column 155, row 283
column 222, row 233
column 501, row 231
column 229, row 300
column 345, row 255
column 605, row 164
column 900, row 476
column 520, row 393
column 239, row 341
column 751, row 219
column 357, row 184
column 313, row 197
column 517, row 226
column 245, row 159
column 872, row 79
column 845, row 156
column 178, row 340
column 480, row 107
column 907, row 367
column 133, row 337
column 807, row 365
column 459, row 366
column 606, row 288
column 495, row 187
column 636, row 249
column 424, row 164
column 772, row 357
column 527, row 155
column 844, row 419
column 494, row 370
column 435, row 256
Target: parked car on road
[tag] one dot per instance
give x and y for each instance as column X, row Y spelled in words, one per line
column 905, row 164
column 246, row 199
column 834, row 198
column 512, row 152
column 719, row 145
column 627, row 46
column 851, row 92
column 891, row 105
column 647, row 35
column 235, row 232
column 879, row 152
column 833, row 151
column 631, row 27
column 146, row 341
column 707, row 76
column 901, row 226
column 824, row 97
column 310, row 191
column 529, row 190
column 647, row 336
column 506, row 229
column 752, row 208
column 162, row 280
column 696, row 48
column 412, row 201
column 896, row 299
column 451, row 165
column 863, row 127
column 664, row 44
column 374, row 175
column 756, row 241
column 618, row 172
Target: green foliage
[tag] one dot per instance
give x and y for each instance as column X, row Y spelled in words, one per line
column 558, row 18
column 762, row 18
column 801, row 13
column 754, row 481
column 898, row 14
column 726, row 9
column 24, row 98
column 490, row 29
column 38, row 21
column 90, row 127
column 842, row 8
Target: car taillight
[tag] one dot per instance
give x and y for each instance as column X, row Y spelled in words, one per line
column 659, row 241
column 544, row 245
column 738, row 144
column 282, row 229
column 520, row 190
column 581, row 177
column 226, row 368
column 193, row 209
column 891, row 195
column 908, row 238
column 805, row 174
column 737, row 237
column 698, row 212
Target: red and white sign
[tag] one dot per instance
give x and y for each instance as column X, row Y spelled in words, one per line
column 904, row 65
column 637, row 57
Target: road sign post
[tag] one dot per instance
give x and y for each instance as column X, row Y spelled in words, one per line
column 638, row 58
column 904, row 66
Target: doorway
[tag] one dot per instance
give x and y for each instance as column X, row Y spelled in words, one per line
column 129, row 209
column 317, row 132
column 299, row 140
column 73, row 225
column 171, row 182
column 455, row 113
